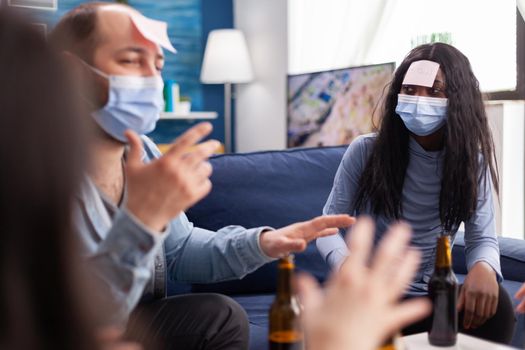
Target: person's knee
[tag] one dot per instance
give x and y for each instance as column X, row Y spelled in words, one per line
column 232, row 325
column 227, row 309
column 506, row 307
column 504, row 321
column 207, row 321
column 500, row 327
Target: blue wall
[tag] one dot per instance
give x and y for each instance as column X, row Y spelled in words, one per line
column 214, row 14
column 189, row 22
column 185, row 32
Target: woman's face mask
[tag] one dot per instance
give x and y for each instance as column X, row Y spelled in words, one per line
column 422, row 115
column 134, row 103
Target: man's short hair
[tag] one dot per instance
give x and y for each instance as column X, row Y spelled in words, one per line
column 76, row 31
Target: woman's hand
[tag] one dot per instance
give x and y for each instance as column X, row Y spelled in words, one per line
column 479, row 295
column 361, row 306
column 520, row 294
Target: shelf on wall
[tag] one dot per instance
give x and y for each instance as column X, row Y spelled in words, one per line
column 190, row 116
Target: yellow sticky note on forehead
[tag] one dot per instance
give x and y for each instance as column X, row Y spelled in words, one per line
column 422, row 73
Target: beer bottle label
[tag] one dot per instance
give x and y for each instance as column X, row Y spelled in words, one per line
column 286, row 336
column 444, row 319
column 286, row 340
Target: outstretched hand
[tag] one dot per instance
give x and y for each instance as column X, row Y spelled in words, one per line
column 295, row 237
column 360, row 307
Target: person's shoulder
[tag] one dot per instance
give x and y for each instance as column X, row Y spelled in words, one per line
column 358, row 151
column 366, row 139
column 363, row 143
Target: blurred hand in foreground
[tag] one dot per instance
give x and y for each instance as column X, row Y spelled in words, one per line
column 360, row 306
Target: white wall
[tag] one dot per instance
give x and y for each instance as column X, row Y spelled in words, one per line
column 260, row 115
column 507, row 122
column 329, row 34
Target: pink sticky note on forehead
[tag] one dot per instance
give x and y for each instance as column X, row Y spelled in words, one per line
column 151, row 29
column 422, row 73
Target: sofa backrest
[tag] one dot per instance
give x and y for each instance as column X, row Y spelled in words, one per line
column 277, row 188
column 274, row 188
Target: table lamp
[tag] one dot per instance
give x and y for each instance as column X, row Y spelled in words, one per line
column 226, row 61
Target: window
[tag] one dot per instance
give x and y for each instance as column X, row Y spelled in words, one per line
column 330, row 34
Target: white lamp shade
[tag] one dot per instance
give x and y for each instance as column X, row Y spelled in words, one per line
column 226, row 58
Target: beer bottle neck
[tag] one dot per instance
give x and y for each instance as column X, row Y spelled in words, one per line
column 443, row 254
column 284, row 279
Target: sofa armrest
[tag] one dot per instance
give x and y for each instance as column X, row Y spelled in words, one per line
column 512, row 257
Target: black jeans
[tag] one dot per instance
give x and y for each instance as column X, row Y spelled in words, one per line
column 196, row 321
column 499, row 328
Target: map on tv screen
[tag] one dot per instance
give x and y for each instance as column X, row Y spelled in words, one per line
column 332, row 108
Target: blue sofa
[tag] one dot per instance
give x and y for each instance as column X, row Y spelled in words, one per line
column 277, row 188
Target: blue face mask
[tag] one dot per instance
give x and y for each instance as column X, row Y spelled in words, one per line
column 134, row 103
column 422, row 115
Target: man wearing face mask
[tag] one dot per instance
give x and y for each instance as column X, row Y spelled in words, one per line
column 130, row 212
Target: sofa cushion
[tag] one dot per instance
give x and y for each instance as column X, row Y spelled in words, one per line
column 275, row 188
column 257, row 307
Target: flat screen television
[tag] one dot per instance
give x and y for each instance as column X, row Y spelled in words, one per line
column 331, row 108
